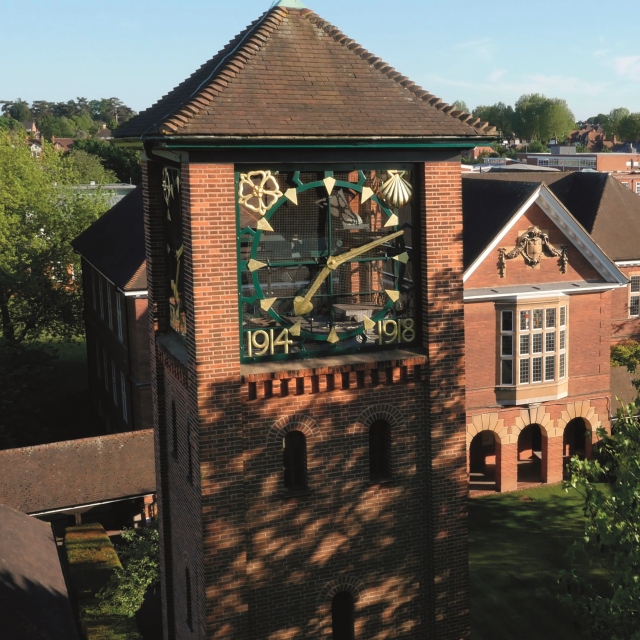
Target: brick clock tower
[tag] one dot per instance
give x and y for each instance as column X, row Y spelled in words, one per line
column 304, row 249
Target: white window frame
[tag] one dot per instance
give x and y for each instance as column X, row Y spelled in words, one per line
column 634, row 294
column 507, row 357
column 638, row 187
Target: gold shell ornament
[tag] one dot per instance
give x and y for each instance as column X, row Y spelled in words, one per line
column 396, row 190
column 258, row 191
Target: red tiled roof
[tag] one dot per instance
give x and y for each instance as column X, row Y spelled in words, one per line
column 292, row 74
column 78, row 472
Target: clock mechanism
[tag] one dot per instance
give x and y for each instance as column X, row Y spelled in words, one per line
column 325, row 262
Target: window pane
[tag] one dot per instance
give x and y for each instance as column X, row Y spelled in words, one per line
column 507, row 372
column 536, row 369
column 507, row 345
column 295, row 460
column 563, row 316
column 549, row 367
column 507, row 320
column 524, row 344
column 550, row 341
column 537, row 318
column 551, row 318
column 634, row 306
column 342, row 616
column 524, row 371
column 379, row 450
column 563, row 339
column 536, row 339
column 524, row 320
column 635, row 284
column 563, row 365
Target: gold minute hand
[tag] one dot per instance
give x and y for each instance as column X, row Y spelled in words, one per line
column 302, row 306
column 333, row 262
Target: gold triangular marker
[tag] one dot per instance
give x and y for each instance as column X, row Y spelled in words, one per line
column 393, row 294
column 333, row 336
column 267, row 303
column 291, row 194
column 329, row 182
column 254, row 265
column 392, row 221
column 366, row 194
column 264, row 225
column 369, row 323
column 403, row 257
column 295, row 329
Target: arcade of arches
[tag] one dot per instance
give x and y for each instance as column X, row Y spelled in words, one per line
column 510, row 449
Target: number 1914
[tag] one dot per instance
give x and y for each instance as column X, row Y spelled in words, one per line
column 262, row 342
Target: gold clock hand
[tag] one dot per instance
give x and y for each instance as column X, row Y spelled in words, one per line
column 302, row 306
column 333, row 262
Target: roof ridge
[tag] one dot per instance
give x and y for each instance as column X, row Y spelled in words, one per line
column 390, row 72
column 203, row 96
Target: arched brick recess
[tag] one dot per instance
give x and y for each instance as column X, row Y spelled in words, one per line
column 536, row 415
column 344, row 583
column 307, row 425
column 488, row 422
column 582, row 410
column 378, row 412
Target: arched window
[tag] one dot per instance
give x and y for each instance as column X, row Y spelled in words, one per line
column 174, row 428
column 294, row 460
column 342, row 608
column 380, row 451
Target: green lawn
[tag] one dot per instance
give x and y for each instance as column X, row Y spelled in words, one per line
column 517, row 546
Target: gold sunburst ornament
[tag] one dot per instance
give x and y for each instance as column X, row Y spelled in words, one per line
column 396, row 190
column 258, row 191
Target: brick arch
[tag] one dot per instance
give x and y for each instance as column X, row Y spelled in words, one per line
column 487, row 422
column 535, row 415
column 353, row 585
column 582, row 410
column 378, row 412
column 307, row 425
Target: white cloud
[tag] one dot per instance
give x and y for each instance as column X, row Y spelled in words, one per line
column 482, row 48
column 628, row 67
column 600, row 53
column 496, row 74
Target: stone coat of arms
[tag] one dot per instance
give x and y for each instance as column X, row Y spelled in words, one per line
column 532, row 245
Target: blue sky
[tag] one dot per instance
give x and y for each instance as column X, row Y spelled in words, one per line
column 479, row 52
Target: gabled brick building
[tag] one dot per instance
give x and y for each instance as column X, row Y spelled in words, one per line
column 304, row 260
column 538, row 322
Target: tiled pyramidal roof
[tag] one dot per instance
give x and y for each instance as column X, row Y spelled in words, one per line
column 292, row 74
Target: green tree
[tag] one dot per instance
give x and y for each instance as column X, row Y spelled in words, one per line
column 18, row 110
column 461, row 105
column 125, row 163
column 57, row 126
column 614, row 118
column 139, row 555
column 604, row 582
column 88, row 168
column 629, row 128
column 40, row 213
column 499, row 115
column 537, row 117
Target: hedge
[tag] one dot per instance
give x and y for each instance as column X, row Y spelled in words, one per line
column 92, row 559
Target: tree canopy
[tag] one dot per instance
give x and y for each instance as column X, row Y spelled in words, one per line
column 40, row 213
column 603, row 585
column 499, row 115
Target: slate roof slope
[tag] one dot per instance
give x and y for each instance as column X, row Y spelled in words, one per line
column 292, row 74
column 33, row 595
column 487, row 206
column 78, row 472
column 607, row 209
column 114, row 243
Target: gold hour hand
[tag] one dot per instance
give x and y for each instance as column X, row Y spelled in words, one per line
column 333, row 262
column 302, row 306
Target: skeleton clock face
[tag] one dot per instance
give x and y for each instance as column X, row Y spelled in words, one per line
column 325, row 262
